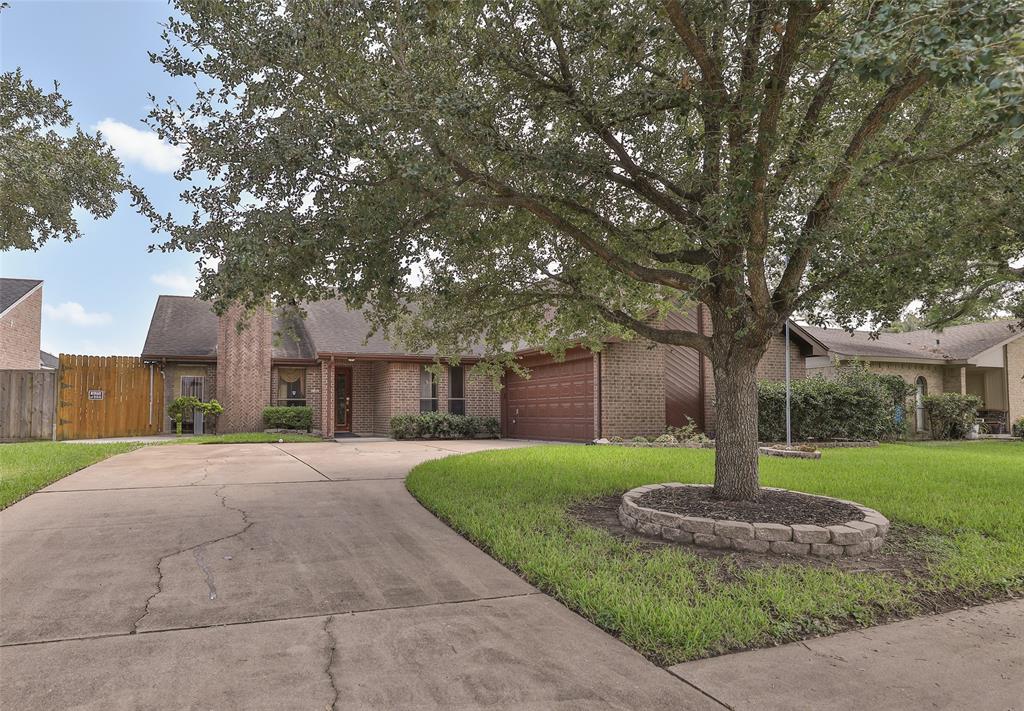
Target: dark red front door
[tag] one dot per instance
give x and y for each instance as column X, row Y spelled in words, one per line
column 342, row 399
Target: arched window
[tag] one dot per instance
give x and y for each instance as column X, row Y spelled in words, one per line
column 922, row 390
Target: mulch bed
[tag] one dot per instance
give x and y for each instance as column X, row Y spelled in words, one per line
column 786, row 507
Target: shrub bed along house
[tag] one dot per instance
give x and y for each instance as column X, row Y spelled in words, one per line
column 288, row 418
column 951, row 415
column 443, row 425
column 855, row 405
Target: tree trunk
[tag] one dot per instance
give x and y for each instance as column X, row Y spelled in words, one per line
column 736, row 470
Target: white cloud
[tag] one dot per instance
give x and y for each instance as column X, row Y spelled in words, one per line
column 136, row 146
column 177, row 282
column 74, row 313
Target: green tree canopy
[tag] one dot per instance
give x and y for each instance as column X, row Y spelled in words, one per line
column 47, row 168
column 551, row 172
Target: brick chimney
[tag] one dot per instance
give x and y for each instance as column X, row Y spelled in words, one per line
column 243, row 369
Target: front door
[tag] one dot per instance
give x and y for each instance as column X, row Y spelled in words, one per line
column 342, row 399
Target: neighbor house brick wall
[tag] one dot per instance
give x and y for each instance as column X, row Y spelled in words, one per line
column 243, row 369
column 632, row 389
column 1015, row 378
column 19, row 334
column 954, row 379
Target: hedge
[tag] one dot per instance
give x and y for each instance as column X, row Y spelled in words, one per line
column 855, row 405
column 442, row 425
column 951, row 414
column 288, row 418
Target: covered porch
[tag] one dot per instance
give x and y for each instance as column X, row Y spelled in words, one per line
column 987, row 379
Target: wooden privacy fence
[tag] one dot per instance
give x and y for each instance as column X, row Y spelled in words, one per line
column 27, row 404
column 116, row 396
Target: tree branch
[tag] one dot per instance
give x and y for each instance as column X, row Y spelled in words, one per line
column 824, row 206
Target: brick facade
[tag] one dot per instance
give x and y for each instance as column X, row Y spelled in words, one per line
column 632, row 378
column 243, row 369
column 954, row 379
column 19, row 333
column 482, row 398
column 1014, row 359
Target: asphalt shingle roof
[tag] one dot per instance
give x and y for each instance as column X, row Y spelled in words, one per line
column 13, row 289
column 184, row 326
column 954, row 343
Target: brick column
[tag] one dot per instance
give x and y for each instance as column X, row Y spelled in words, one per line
column 243, row 369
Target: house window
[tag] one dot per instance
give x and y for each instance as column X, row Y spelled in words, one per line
column 920, row 394
column 456, row 390
column 291, row 387
column 428, row 390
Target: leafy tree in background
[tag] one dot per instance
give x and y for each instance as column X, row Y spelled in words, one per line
column 46, row 170
column 534, row 171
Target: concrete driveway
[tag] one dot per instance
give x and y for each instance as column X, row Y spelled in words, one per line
column 298, row 576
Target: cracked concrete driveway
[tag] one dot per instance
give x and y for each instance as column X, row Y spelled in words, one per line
column 284, row 576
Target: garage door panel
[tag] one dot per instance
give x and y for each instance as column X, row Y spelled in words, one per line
column 555, row 403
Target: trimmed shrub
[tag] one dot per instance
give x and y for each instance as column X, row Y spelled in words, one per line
column 443, row 425
column 951, row 414
column 688, row 433
column 288, row 418
column 856, row 405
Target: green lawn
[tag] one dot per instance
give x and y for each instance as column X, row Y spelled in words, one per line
column 30, row 466
column 960, row 504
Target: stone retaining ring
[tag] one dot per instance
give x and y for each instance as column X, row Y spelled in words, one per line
column 852, row 538
column 788, row 453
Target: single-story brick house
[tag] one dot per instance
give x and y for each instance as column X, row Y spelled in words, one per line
column 983, row 359
column 355, row 385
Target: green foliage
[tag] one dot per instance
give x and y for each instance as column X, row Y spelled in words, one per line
column 443, row 425
column 522, row 507
column 288, row 418
column 665, row 439
column 409, row 135
column 688, row 433
column 856, row 405
column 1018, row 427
column 45, row 173
column 951, row 415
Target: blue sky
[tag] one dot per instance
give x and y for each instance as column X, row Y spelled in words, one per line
column 100, row 290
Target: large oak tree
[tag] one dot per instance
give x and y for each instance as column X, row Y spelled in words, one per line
column 557, row 172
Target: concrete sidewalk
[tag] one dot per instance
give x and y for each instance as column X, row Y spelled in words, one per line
column 968, row 659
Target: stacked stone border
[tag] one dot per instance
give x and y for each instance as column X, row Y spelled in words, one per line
column 852, row 538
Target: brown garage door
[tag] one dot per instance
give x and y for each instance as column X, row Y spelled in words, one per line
column 556, row 402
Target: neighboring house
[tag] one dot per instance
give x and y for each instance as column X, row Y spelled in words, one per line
column 983, row 359
column 352, row 386
column 48, row 361
column 21, row 308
